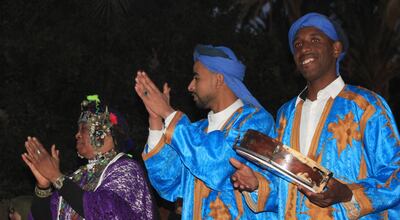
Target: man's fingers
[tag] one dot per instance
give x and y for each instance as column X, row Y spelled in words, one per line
column 139, row 85
column 314, row 197
column 235, row 163
column 140, row 91
column 137, row 88
column 149, row 83
column 144, row 87
column 333, row 183
column 144, row 81
column 303, row 190
column 166, row 91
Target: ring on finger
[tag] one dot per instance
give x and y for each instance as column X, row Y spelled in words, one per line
column 38, row 152
column 145, row 93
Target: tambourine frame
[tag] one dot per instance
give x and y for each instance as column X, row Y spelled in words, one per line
column 266, row 162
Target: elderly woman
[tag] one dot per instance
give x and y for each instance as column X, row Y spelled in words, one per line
column 110, row 186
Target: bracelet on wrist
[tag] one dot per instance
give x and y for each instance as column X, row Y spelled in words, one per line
column 43, row 193
column 59, row 182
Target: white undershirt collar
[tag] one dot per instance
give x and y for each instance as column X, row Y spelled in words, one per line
column 217, row 120
column 331, row 90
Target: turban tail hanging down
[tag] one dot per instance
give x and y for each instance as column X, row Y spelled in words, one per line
column 222, row 60
column 324, row 24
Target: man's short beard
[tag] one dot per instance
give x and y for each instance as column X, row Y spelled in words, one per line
column 202, row 103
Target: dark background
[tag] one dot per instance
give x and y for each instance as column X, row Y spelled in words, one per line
column 55, row 52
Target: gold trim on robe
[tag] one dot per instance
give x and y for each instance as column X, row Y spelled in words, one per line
column 155, row 150
column 171, row 127
column 263, row 194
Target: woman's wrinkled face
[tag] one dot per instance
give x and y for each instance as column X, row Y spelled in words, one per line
column 83, row 144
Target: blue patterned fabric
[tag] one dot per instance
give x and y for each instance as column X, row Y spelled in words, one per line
column 194, row 165
column 358, row 141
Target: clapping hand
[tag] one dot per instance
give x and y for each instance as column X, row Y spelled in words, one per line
column 156, row 102
column 45, row 167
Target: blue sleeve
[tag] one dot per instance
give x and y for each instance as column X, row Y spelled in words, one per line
column 165, row 170
column 207, row 155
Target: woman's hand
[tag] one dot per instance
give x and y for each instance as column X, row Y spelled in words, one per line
column 45, row 164
column 41, row 181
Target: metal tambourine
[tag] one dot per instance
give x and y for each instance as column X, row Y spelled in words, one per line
column 287, row 162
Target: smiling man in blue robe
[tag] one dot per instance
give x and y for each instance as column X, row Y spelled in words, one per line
column 347, row 129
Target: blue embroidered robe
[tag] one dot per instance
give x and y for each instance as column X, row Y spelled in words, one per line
column 192, row 164
column 357, row 139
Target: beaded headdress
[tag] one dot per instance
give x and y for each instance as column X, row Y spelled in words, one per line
column 98, row 119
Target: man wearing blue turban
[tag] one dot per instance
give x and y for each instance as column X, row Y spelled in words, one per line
column 349, row 130
column 191, row 160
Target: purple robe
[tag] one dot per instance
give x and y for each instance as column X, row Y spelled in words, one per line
column 123, row 193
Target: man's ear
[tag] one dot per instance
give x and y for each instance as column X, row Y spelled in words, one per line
column 337, row 48
column 220, row 80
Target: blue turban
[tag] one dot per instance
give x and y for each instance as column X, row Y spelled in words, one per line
column 222, row 60
column 324, row 24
